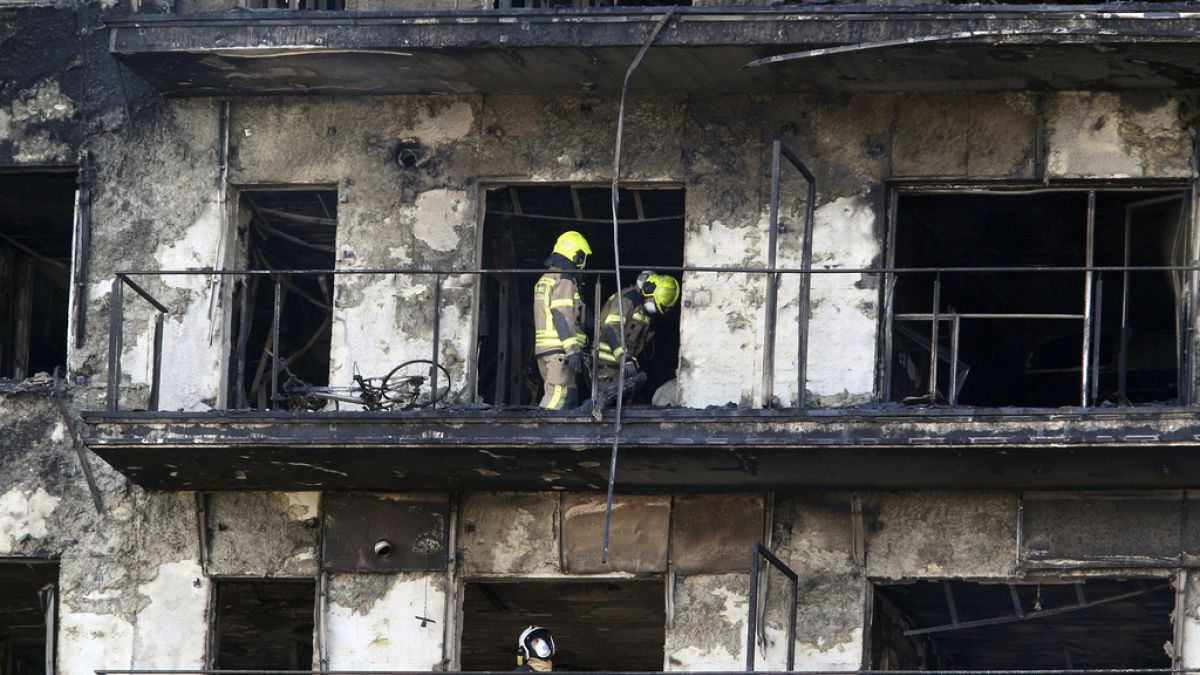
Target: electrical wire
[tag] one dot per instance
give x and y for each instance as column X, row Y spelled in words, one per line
column 616, row 201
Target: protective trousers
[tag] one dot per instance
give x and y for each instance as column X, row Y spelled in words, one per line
column 606, row 375
column 559, row 390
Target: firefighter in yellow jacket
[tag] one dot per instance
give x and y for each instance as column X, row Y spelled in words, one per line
column 652, row 295
column 558, row 312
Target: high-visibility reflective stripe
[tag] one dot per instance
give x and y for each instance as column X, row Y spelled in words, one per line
column 555, row 397
column 607, row 358
column 562, row 302
column 641, row 317
column 570, row 342
column 612, row 318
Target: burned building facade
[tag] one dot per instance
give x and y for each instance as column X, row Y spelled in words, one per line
column 935, row 351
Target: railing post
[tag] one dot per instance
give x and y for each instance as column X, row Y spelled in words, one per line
column 751, row 627
column 242, row 339
column 768, row 374
column 597, row 405
column 275, row 343
column 156, row 376
column 1086, row 357
column 805, row 313
column 437, row 338
column 115, row 319
column 934, row 337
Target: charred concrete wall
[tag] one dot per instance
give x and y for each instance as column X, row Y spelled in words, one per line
column 136, row 577
column 427, row 215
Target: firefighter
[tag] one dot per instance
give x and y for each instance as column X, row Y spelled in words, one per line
column 535, row 649
column 558, row 312
column 652, row 295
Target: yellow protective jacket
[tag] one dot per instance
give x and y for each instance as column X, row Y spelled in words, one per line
column 557, row 315
column 637, row 325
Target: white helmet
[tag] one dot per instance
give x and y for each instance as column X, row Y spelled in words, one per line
column 535, row 642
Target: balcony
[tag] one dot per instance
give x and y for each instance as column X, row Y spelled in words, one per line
column 700, row 49
column 466, row 444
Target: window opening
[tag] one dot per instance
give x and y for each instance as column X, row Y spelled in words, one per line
column 37, row 217
column 1017, row 338
column 605, row 625
column 1098, row 623
column 520, row 226
column 283, row 229
column 309, row 5
column 28, row 614
column 264, row 624
column 583, row 4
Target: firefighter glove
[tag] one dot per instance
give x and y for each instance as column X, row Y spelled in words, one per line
column 575, row 363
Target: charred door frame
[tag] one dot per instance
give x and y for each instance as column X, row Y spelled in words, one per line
column 455, row 600
column 77, row 267
column 233, row 350
column 1188, row 189
column 1175, row 576
column 494, row 183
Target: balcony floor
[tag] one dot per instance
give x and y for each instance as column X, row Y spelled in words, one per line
column 703, row 49
column 661, row 449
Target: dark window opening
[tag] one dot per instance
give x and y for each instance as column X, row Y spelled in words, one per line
column 1100, row 623
column 37, row 218
column 1017, row 338
column 264, row 624
column 519, row 230
column 308, row 5
column 28, row 614
column 284, row 230
column 584, row 4
column 606, row 625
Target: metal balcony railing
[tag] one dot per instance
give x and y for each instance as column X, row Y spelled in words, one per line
column 802, row 671
column 926, row 329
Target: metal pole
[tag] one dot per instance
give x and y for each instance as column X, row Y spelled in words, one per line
column 768, row 374
column 437, row 338
column 933, row 340
column 750, row 627
column 887, row 291
column 115, row 319
column 1123, row 352
column 1096, row 337
column 1085, row 376
column 156, row 376
column 955, row 327
column 805, row 293
column 275, row 343
column 597, row 405
column 503, row 318
column 791, row 648
column 243, row 338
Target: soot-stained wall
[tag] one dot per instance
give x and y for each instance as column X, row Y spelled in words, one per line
column 134, row 580
column 426, row 216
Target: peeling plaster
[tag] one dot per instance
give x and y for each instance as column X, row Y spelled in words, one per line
column 29, row 108
column 435, row 218
column 90, row 642
column 165, row 634
column 24, row 515
column 385, row 634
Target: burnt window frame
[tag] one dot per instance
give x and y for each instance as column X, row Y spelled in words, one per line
column 454, row 641
column 236, row 259
column 213, row 620
column 1177, row 577
column 1188, row 389
column 54, row 616
column 477, row 311
column 78, row 251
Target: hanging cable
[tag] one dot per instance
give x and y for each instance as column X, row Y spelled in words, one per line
column 616, row 223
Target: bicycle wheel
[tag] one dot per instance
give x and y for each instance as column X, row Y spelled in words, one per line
column 407, row 386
